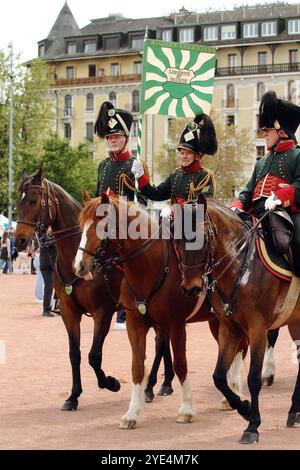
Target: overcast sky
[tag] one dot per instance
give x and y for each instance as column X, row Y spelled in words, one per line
column 25, row 22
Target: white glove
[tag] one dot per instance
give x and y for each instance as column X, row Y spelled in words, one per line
column 166, row 212
column 137, row 169
column 272, row 202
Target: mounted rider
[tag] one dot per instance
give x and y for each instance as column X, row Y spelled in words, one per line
column 114, row 173
column 275, row 181
column 186, row 182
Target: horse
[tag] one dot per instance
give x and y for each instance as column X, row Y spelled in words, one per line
column 42, row 203
column 150, row 291
column 227, row 267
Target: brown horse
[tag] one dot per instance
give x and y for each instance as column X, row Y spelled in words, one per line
column 150, row 291
column 42, row 203
column 247, row 300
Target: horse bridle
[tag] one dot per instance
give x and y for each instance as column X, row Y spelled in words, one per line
column 46, row 203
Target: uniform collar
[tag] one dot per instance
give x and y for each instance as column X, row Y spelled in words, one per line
column 120, row 157
column 284, row 145
column 195, row 166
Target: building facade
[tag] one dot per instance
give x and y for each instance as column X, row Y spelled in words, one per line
column 258, row 50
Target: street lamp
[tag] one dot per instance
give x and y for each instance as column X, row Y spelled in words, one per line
column 11, row 120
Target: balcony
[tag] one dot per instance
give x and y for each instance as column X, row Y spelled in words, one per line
column 105, row 79
column 257, row 69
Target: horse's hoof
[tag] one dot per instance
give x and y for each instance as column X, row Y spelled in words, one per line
column 112, row 384
column 268, row 381
column 293, row 420
column 249, row 437
column 245, row 410
column 225, row 405
column 127, row 424
column 184, row 419
column 149, row 395
column 165, row 390
column 70, row 405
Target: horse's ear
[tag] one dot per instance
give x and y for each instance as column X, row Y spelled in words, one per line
column 104, row 198
column 202, row 200
column 41, row 172
column 24, row 174
column 85, row 196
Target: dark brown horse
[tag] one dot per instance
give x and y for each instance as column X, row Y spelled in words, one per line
column 247, row 300
column 42, row 203
column 150, row 291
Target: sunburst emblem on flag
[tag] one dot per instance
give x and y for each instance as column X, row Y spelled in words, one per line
column 178, row 79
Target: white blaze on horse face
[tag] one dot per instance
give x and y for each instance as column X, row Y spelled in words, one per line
column 82, row 244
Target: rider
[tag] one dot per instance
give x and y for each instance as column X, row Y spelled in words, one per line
column 190, row 179
column 114, row 173
column 276, row 177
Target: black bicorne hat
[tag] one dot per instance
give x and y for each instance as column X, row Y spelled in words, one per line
column 275, row 113
column 199, row 136
column 112, row 121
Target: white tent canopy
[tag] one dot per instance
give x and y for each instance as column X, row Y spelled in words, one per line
column 4, row 222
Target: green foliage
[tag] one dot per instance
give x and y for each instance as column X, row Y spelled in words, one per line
column 235, row 148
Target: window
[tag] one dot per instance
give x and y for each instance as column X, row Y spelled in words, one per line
column 230, row 120
column 101, row 72
column 67, row 130
column 135, row 128
column 90, row 102
column 294, row 26
column 89, row 131
column 135, row 101
column 115, row 69
column 89, row 46
column 230, row 96
column 68, row 106
column 292, row 91
column 231, row 60
column 261, row 89
column 137, row 43
column 42, row 50
column 70, row 73
column 166, row 35
column 228, row 32
column 260, row 151
column 71, row 48
column 137, row 68
column 186, row 35
column 262, row 58
column 269, row 28
column 293, row 56
column 211, row 33
column 92, row 70
column 250, row 30
column 113, row 98
column 112, row 43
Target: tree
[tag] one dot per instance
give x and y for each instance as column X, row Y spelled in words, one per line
column 235, row 148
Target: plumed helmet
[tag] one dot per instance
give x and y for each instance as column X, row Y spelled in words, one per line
column 275, row 113
column 112, row 121
column 199, row 136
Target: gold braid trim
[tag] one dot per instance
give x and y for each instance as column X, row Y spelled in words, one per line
column 210, row 177
column 124, row 180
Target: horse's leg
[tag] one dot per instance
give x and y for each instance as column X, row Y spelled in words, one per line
column 72, row 324
column 178, row 341
column 234, row 373
column 166, row 388
column 137, row 332
column 257, row 342
column 159, row 352
column 268, row 371
column 294, row 411
column 229, row 343
column 102, row 321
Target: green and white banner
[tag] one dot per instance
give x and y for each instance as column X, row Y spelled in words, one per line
column 178, row 79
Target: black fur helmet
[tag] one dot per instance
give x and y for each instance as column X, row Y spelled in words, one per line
column 199, row 136
column 112, row 121
column 275, row 113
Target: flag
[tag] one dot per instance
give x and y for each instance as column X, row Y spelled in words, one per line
column 178, row 79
